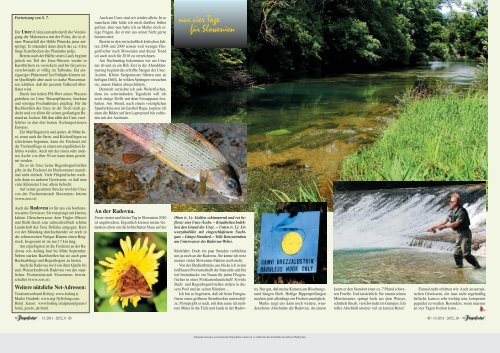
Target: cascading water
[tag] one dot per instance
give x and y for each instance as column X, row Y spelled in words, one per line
column 398, row 218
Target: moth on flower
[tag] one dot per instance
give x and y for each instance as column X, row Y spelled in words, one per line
column 133, row 271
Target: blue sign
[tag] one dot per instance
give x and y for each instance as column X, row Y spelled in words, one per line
column 289, row 244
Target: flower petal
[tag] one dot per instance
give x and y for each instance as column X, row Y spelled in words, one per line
column 114, row 299
column 104, row 263
column 124, row 302
column 159, row 254
column 137, row 244
column 135, row 300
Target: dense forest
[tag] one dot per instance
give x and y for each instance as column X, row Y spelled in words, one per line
column 292, row 38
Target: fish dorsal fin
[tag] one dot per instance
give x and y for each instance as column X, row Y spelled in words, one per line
column 129, row 158
column 203, row 182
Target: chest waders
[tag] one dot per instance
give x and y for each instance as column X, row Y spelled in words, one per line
column 462, row 249
column 463, row 244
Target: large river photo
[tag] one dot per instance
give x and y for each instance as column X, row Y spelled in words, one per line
column 299, row 132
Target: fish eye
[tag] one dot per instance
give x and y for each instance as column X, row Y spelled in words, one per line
column 231, row 183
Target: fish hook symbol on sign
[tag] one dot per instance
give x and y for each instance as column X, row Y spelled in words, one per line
column 289, row 244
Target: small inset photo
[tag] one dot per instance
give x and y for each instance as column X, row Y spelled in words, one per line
column 170, row 163
column 409, row 232
column 130, row 272
column 290, row 243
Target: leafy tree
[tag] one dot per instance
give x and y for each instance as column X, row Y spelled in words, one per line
column 196, row 70
column 469, row 29
column 290, row 35
column 288, row 38
column 353, row 42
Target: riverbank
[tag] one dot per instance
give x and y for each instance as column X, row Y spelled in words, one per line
column 442, row 137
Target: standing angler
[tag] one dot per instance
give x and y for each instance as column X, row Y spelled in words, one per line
column 458, row 220
column 186, row 151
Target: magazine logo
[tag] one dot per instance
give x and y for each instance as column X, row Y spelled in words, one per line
column 473, row 318
column 21, row 317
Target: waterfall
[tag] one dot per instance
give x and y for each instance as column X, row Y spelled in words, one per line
column 396, row 218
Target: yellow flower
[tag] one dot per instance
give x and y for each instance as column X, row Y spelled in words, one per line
column 141, row 257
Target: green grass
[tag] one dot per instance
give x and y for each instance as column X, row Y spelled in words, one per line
column 481, row 73
column 441, row 137
column 304, row 193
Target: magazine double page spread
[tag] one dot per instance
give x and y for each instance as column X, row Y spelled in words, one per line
column 249, row 167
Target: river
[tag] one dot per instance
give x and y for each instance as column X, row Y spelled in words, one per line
column 400, row 266
column 380, row 237
column 308, row 126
